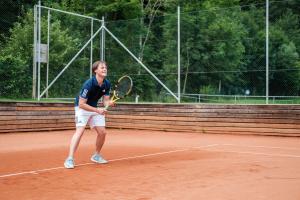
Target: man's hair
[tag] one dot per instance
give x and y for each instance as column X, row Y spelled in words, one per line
column 96, row 64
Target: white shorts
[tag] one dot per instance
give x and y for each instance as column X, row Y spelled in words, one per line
column 83, row 117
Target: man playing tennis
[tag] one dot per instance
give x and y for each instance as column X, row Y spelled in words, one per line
column 86, row 112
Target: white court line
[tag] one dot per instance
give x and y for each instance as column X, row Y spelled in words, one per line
column 264, row 154
column 113, row 160
column 266, row 147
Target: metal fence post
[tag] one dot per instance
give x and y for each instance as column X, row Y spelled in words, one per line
column 34, row 54
column 178, row 51
column 267, row 51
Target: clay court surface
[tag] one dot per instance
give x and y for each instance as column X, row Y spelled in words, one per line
column 151, row 165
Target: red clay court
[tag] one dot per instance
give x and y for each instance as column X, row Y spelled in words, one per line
column 148, row 165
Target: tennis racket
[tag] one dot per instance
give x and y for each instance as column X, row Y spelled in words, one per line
column 121, row 90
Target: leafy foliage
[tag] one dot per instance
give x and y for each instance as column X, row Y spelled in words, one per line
column 222, row 46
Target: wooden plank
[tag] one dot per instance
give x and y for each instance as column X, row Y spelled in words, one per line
column 7, row 108
column 208, row 132
column 215, row 110
column 47, row 108
column 8, row 113
column 202, row 119
column 37, row 126
column 231, row 114
column 228, row 115
column 159, row 121
column 24, row 117
column 36, row 112
column 44, row 112
column 209, row 106
column 8, row 104
column 210, row 124
column 37, row 130
column 36, row 121
column 204, row 124
column 203, row 129
column 41, row 104
column 5, row 117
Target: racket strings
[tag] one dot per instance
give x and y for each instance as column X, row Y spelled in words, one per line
column 123, row 87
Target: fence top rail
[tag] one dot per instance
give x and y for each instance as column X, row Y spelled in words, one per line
column 250, row 96
column 71, row 13
column 154, row 104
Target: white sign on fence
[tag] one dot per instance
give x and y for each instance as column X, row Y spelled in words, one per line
column 44, row 53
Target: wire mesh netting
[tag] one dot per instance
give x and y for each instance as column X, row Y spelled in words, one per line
column 284, row 51
column 147, row 44
column 68, row 34
column 222, row 54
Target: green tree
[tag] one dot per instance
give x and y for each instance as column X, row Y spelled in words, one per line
column 17, row 53
column 15, row 58
column 284, row 64
column 211, row 48
column 253, row 19
column 222, row 45
column 10, row 12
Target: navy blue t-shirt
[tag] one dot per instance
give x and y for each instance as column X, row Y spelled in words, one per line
column 93, row 92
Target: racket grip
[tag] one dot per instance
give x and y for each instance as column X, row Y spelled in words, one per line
column 106, row 107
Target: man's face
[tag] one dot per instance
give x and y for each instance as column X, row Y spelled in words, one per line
column 101, row 70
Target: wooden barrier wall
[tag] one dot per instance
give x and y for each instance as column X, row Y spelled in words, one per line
column 281, row 120
column 19, row 117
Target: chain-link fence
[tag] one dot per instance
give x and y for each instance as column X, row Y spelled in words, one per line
column 222, row 54
column 284, row 50
column 147, row 41
column 65, row 35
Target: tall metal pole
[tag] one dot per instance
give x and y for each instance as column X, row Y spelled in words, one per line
column 34, row 54
column 91, row 51
column 39, row 50
column 102, row 40
column 267, row 51
column 48, row 46
column 178, row 52
column 70, row 13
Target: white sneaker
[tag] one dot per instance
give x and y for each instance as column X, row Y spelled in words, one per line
column 98, row 159
column 69, row 163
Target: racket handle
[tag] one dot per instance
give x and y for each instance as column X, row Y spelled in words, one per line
column 107, row 104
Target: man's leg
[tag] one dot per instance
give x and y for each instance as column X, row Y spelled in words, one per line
column 75, row 140
column 101, row 134
column 69, row 162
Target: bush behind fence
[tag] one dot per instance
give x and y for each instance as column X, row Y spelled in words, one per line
column 223, row 52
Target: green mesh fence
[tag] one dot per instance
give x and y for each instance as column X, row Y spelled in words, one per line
column 223, row 54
